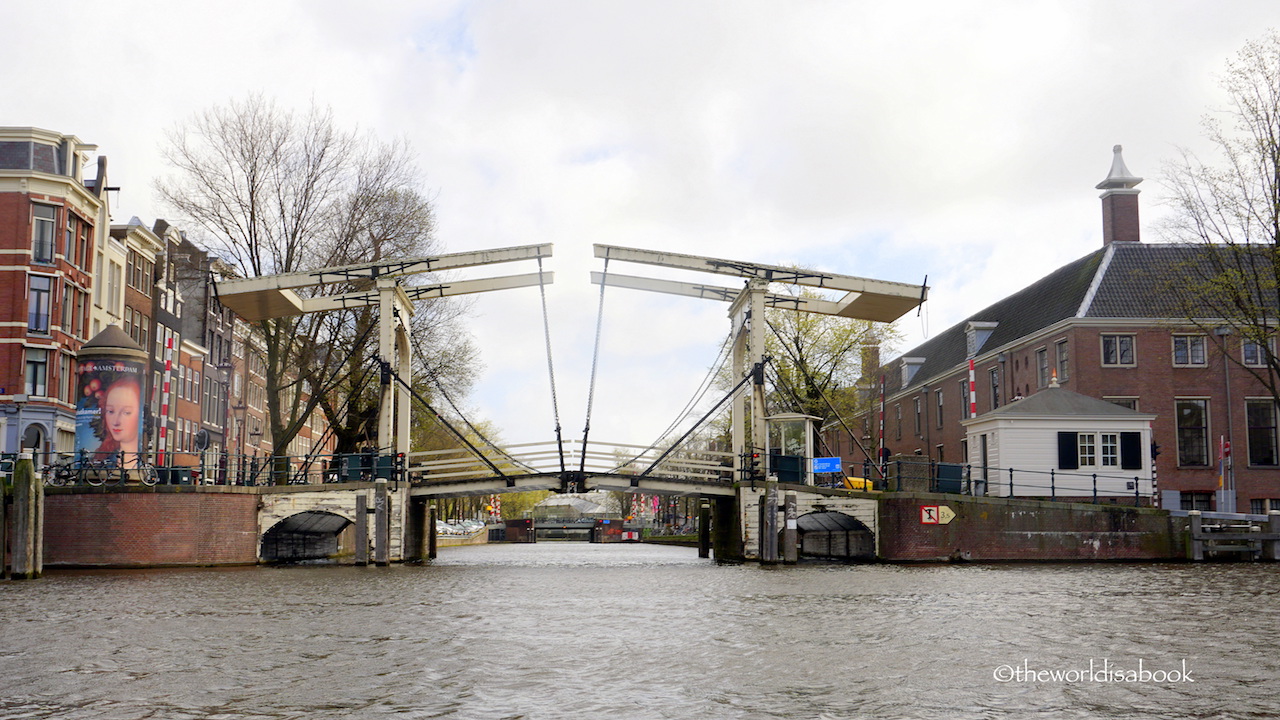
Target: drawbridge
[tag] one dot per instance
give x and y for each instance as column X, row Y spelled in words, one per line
column 677, row 463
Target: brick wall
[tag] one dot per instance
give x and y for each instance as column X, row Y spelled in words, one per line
column 986, row 529
column 135, row 529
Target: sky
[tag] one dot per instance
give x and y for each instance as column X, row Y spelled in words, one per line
column 958, row 141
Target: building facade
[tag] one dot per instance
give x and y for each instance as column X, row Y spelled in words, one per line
column 50, row 225
column 1104, row 326
column 67, row 273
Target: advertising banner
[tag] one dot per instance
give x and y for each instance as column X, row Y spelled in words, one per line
column 109, row 418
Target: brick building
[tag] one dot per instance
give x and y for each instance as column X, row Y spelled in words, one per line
column 51, row 218
column 68, row 273
column 1104, row 326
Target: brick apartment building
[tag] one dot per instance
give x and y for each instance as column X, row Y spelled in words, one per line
column 1104, row 326
column 51, row 220
column 68, row 273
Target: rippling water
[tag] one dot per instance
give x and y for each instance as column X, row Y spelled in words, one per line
column 569, row 630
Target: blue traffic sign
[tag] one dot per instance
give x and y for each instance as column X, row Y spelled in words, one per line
column 827, row 465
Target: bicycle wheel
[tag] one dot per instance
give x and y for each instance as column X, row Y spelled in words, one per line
column 147, row 474
column 92, row 474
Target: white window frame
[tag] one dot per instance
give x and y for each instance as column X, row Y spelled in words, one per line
column 1195, row 352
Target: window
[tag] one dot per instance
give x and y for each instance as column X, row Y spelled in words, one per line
column 115, row 277
column 964, row 400
column 1063, row 358
column 1081, row 450
column 919, row 425
column 1087, row 450
column 937, row 396
column 1117, row 350
column 66, row 384
column 38, row 302
column 1261, row 416
column 897, row 423
column 43, row 226
column 994, row 374
column 1193, row 431
column 1254, row 353
column 1258, row 506
column 1188, row 350
column 68, row 305
column 69, row 246
column 37, row 372
column 1125, row 402
column 1042, row 368
column 1202, row 501
column 1109, row 443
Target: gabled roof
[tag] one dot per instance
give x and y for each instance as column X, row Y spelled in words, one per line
column 1054, row 297
column 1122, row 280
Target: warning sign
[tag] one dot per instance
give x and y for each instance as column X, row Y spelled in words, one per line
column 936, row 514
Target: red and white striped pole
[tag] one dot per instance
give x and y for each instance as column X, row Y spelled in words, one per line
column 164, row 403
column 880, row 459
column 973, row 392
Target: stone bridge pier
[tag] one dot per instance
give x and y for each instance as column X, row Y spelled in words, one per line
column 369, row 522
column 811, row 502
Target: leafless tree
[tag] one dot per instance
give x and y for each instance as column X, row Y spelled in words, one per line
column 279, row 192
column 1228, row 211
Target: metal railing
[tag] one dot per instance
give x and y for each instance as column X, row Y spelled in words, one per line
column 994, row 481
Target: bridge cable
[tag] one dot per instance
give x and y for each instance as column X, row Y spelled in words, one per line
column 825, row 399
column 698, row 395
column 329, row 429
column 734, row 391
column 329, row 382
column 799, row 405
column 445, row 393
column 474, row 451
column 551, row 370
column 595, row 361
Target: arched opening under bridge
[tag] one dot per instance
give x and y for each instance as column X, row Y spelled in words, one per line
column 835, row 535
column 308, row 536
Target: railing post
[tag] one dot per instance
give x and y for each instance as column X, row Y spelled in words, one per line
column 968, row 479
column 1053, row 491
column 1271, row 548
column 1196, row 550
column 1010, row 482
column 1137, row 497
column 1095, row 487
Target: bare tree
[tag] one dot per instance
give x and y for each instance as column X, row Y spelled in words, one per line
column 1230, row 211
column 276, row 193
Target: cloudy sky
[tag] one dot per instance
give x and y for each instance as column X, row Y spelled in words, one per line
column 957, row 140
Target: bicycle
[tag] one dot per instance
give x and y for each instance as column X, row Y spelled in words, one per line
column 98, row 472
column 59, row 473
column 146, row 474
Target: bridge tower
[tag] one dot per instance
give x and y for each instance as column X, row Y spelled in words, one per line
column 861, row 298
column 275, row 296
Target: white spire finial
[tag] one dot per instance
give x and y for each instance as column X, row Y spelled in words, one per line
column 1119, row 177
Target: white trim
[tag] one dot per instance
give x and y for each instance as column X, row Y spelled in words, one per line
column 1098, row 276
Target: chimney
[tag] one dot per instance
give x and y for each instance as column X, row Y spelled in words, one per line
column 1119, row 203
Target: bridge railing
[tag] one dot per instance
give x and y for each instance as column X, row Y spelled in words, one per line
column 544, row 458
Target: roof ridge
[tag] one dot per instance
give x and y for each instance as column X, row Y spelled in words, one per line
column 1098, row 276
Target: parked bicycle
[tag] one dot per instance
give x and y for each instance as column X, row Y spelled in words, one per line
column 60, row 472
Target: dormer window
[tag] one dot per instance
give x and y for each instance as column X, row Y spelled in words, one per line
column 976, row 335
column 910, row 366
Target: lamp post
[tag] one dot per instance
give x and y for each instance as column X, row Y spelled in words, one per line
column 254, row 436
column 18, row 401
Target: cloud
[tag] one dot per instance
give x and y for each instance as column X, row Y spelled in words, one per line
column 957, row 141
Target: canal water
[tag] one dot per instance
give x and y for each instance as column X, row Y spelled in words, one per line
column 570, row 630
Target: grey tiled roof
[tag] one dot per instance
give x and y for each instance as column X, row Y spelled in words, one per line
column 1052, row 298
column 1138, row 283
column 1134, row 280
column 1056, row 401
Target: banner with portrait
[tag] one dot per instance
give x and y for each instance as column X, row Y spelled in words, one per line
column 109, row 411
